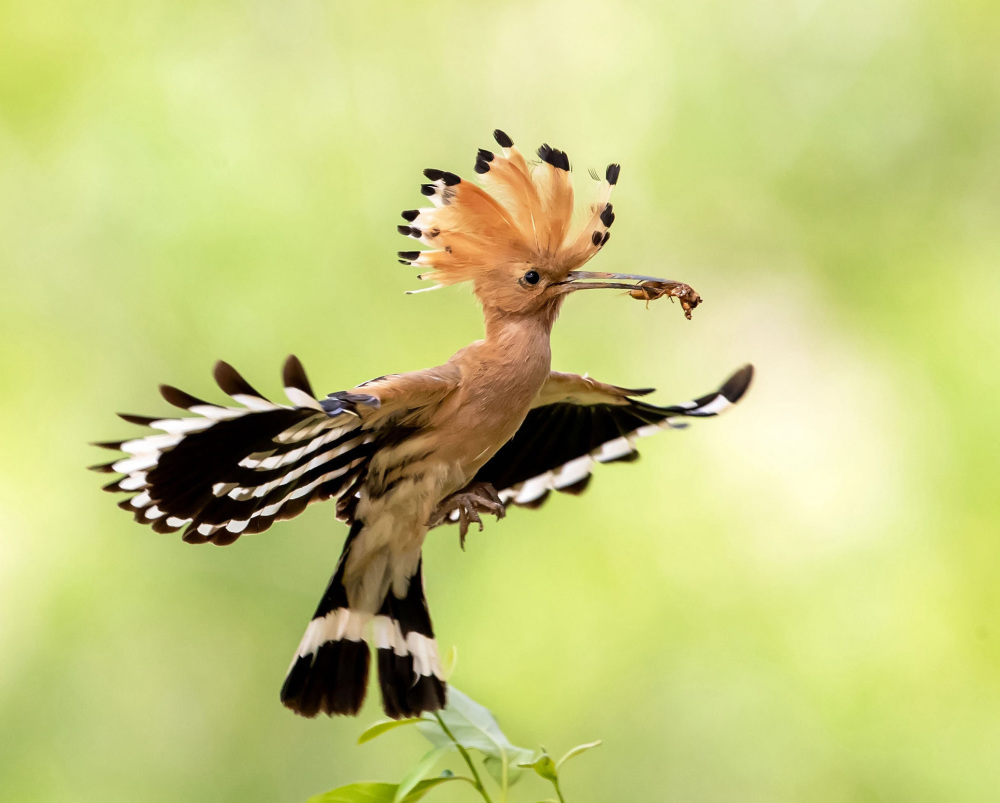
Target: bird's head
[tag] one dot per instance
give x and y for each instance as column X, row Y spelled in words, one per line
column 513, row 237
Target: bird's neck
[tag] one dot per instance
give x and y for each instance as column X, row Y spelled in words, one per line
column 522, row 335
column 512, row 364
column 501, row 376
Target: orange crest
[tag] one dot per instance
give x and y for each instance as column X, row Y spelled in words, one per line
column 520, row 218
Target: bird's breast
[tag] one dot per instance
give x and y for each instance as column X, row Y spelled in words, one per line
column 488, row 412
column 450, row 441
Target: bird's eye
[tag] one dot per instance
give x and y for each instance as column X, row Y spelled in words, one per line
column 532, row 277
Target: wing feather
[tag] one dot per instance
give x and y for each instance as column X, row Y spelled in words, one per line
column 233, row 470
column 585, row 422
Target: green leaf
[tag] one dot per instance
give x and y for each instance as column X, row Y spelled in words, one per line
column 419, row 771
column 475, row 728
column 424, row 787
column 383, row 726
column 358, row 793
column 544, row 766
column 449, row 662
column 381, row 792
column 494, row 766
column 580, row 748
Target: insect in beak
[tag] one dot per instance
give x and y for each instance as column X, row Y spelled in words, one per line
column 644, row 288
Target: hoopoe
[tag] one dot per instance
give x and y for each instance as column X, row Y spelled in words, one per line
column 404, row 453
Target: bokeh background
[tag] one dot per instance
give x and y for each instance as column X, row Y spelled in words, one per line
column 797, row 601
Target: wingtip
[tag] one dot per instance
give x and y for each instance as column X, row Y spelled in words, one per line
column 114, row 446
column 178, row 398
column 141, row 420
column 221, row 371
column 738, row 384
column 232, row 382
column 293, row 375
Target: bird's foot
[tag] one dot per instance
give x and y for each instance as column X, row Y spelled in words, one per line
column 473, row 499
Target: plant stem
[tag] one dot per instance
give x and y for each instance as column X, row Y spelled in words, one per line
column 555, row 783
column 477, row 782
column 504, row 778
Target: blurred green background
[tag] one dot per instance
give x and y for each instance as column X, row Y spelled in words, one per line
column 796, row 602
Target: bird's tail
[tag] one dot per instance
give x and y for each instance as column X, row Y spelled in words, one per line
column 329, row 673
column 408, row 668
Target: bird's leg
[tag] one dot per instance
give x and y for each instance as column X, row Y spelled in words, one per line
column 473, row 499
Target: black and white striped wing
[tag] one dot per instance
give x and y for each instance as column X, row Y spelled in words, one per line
column 558, row 444
column 226, row 471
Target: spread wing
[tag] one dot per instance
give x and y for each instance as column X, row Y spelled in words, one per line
column 224, row 471
column 577, row 422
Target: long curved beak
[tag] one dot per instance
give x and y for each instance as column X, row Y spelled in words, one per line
column 593, row 280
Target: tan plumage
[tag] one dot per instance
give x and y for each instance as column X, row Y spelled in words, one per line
column 494, row 425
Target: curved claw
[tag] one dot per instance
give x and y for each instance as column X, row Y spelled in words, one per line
column 465, row 515
column 469, row 503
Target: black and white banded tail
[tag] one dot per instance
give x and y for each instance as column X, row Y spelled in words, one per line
column 329, row 673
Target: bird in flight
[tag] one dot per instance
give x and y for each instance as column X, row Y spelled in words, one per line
column 401, row 454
